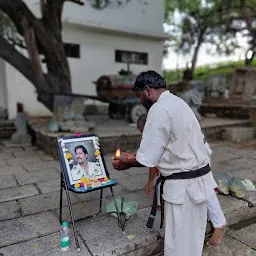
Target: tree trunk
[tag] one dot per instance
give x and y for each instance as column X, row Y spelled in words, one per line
column 200, row 41
column 44, row 36
column 247, row 15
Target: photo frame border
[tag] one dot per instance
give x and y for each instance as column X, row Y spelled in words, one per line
column 63, row 163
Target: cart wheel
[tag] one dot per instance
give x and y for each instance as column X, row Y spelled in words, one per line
column 136, row 111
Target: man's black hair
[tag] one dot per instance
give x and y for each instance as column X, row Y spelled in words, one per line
column 141, row 120
column 151, row 79
column 82, row 147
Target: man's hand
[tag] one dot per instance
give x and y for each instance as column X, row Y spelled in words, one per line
column 149, row 187
column 129, row 155
column 121, row 163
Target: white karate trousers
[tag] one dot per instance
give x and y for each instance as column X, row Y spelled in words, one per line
column 185, row 226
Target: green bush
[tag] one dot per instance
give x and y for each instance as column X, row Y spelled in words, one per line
column 203, row 72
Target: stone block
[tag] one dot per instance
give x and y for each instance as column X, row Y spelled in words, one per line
column 49, row 186
column 235, row 210
column 8, row 170
column 8, row 181
column 91, row 207
column 17, row 230
column 48, row 245
column 35, row 177
column 9, row 210
column 33, row 167
column 110, row 240
column 84, row 210
column 250, row 197
column 229, row 247
column 45, row 202
column 246, row 235
column 239, row 133
column 10, row 194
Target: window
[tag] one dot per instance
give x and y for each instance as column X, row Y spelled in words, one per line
column 72, row 50
column 131, row 57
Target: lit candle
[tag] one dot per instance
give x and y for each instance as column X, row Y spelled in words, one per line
column 118, row 153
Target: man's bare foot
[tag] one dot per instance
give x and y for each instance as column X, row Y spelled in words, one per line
column 216, row 237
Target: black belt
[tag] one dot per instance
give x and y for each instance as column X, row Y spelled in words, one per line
column 176, row 176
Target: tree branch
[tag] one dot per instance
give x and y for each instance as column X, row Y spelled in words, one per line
column 16, row 59
column 247, row 18
column 16, row 9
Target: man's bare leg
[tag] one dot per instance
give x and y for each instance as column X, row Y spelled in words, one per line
column 217, row 236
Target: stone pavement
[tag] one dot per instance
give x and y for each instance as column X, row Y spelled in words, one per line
column 29, row 207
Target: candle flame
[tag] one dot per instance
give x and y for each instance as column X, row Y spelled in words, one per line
column 118, row 152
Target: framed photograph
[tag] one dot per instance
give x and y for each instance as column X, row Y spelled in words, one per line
column 82, row 162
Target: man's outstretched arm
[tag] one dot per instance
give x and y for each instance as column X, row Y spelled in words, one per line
column 124, row 162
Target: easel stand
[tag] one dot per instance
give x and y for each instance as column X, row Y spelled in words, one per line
column 64, row 185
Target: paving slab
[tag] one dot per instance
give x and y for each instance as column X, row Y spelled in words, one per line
column 35, row 177
column 249, row 174
column 17, row 230
column 246, row 235
column 134, row 183
column 138, row 171
column 46, row 157
column 9, row 210
column 44, row 246
column 114, row 174
column 44, row 202
column 110, row 240
column 229, row 247
column 10, row 150
column 17, row 193
column 27, row 160
column 7, row 170
column 49, row 186
column 5, row 156
column 8, row 181
column 239, row 164
column 9, row 144
column 24, row 154
column 33, row 167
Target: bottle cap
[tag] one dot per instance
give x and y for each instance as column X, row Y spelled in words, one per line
column 64, row 224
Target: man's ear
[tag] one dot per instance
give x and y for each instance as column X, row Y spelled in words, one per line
column 147, row 90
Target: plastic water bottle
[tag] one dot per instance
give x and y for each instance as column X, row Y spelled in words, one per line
column 64, row 237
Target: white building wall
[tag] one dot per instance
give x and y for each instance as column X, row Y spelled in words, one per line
column 19, row 89
column 98, row 56
column 146, row 16
column 3, row 93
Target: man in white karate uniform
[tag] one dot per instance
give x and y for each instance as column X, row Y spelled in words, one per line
column 172, row 141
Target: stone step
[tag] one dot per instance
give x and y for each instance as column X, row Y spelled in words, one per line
column 7, row 128
column 101, row 236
